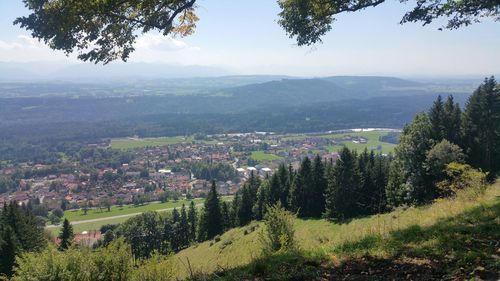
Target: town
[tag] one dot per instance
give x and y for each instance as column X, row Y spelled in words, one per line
column 108, row 174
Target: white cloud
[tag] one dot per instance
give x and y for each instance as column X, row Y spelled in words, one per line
column 158, row 42
column 24, row 48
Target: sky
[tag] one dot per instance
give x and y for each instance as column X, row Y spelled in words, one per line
column 244, row 37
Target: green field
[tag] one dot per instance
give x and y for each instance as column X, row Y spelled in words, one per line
column 95, row 213
column 372, row 144
column 131, row 143
column 110, row 217
column 262, row 156
column 447, row 226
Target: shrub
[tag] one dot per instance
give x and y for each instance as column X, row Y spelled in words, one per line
column 463, row 177
column 280, row 234
column 216, row 238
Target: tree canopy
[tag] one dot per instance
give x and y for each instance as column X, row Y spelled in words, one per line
column 309, row 20
column 106, row 30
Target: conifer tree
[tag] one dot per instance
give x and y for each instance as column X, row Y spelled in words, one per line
column 19, row 233
column 192, row 217
column 226, row 216
column 212, row 213
column 366, row 191
column 246, row 204
column 437, row 119
column 302, row 188
column 184, row 227
column 274, row 189
column 380, row 177
column 262, row 201
column 481, row 128
column 9, row 248
column 316, row 196
column 167, row 235
column 344, row 181
column 66, row 236
column 452, row 121
column 285, row 180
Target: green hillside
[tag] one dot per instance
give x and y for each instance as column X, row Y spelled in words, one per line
column 435, row 239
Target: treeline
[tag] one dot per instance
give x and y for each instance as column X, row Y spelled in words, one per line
column 443, row 135
column 352, row 186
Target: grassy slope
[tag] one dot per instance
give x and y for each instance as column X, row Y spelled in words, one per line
column 441, row 237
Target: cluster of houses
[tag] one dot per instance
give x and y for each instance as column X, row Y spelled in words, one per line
column 155, row 170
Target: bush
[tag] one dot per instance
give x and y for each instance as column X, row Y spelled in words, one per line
column 217, row 238
column 463, row 177
column 280, row 233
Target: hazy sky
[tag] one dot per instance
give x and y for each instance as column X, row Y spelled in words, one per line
column 242, row 35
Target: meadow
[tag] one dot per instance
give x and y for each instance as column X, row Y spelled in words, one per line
column 98, row 213
column 262, row 156
column 119, row 214
column 455, row 226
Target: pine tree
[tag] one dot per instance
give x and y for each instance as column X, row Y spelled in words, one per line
column 379, row 179
column 366, row 191
column 274, row 189
column 226, row 216
column 253, row 184
column 344, row 180
column 246, row 205
column 316, row 197
column 452, row 121
column 212, row 218
column 262, row 201
column 175, row 236
column 437, row 119
column 66, row 236
column 302, row 188
column 184, row 228
column 167, row 235
column 192, row 221
column 285, row 180
column 9, row 248
column 19, row 233
column 481, row 128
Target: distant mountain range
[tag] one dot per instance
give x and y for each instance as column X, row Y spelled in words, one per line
column 87, row 72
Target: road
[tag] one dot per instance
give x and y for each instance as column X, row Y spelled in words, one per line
column 114, row 217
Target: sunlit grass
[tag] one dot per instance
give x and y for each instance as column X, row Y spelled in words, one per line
column 370, row 235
